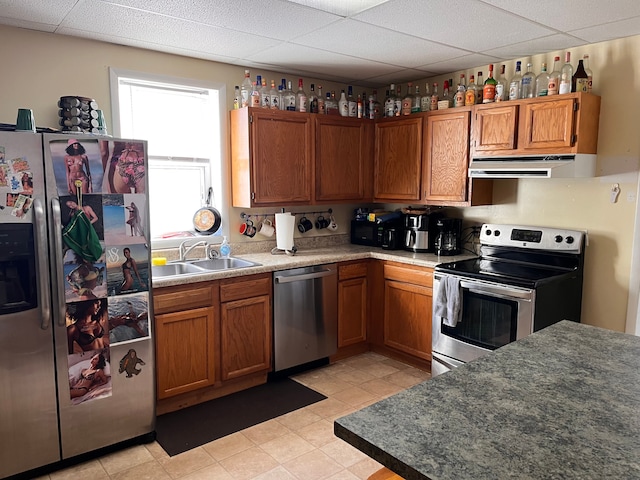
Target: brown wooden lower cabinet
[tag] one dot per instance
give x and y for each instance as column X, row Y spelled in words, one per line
column 185, row 338
column 401, row 299
column 353, row 308
column 212, row 339
column 245, row 327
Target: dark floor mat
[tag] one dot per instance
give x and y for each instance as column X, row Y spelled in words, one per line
column 191, row 427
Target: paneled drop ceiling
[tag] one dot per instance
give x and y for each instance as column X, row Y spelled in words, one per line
column 366, row 42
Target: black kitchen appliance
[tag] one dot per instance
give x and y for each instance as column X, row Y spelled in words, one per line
column 448, row 236
column 366, row 233
column 391, row 236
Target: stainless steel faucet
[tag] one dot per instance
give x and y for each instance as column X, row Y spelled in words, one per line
column 184, row 250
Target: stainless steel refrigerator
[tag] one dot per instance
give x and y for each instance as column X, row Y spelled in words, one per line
column 76, row 330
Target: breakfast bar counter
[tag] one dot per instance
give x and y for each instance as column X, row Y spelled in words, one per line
column 562, row 403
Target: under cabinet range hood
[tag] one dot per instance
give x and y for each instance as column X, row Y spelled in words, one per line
column 579, row 165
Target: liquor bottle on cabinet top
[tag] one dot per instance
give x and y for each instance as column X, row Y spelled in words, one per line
column 265, row 95
column 446, row 100
column 425, row 101
column 351, row 103
column 274, row 97
column 566, row 75
column 313, row 100
column 407, row 101
column 343, row 105
column 514, row 85
column 321, row 106
column 554, row 77
column 588, row 70
column 479, row 85
column 289, row 98
column 489, row 87
column 255, row 96
column 471, row 94
column 330, row 105
column 397, row 108
column 502, row 86
column 528, row 82
column 542, row 83
column 434, row 97
column 580, row 80
column 390, row 101
column 245, row 90
column 458, row 99
column 301, row 98
column 417, row 99
column 359, row 107
column 377, row 107
column 237, row 98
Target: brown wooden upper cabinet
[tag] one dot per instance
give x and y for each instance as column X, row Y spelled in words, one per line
column 343, row 159
column 446, row 154
column 271, row 158
column 398, row 159
column 561, row 124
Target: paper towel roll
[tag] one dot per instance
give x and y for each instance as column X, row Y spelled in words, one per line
column 285, row 223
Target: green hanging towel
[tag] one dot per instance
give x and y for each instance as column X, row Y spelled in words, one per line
column 80, row 236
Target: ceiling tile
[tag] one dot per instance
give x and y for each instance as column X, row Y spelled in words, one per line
column 566, row 16
column 273, row 19
column 610, row 31
column 461, row 63
column 381, row 45
column 36, row 11
column 41, row 27
column 538, row 45
column 125, row 23
column 401, row 76
column 476, row 26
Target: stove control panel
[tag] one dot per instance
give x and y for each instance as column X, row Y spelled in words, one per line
column 535, row 238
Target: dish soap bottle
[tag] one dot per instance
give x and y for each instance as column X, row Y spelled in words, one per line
column 225, row 248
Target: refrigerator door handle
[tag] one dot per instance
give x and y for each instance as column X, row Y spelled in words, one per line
column 59, row 296
column 40, row 228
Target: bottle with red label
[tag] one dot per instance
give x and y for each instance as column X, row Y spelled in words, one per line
column 489, row 88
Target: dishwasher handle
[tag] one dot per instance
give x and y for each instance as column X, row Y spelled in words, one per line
column 302, row 277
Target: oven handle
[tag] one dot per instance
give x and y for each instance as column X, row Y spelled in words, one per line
column 495, row 290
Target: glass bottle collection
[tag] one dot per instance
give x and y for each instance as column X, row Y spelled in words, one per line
column 561, row 80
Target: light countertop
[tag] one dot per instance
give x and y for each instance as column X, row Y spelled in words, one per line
column 562, row 403
column 306, row 257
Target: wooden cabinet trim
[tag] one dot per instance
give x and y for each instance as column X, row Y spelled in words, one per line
column 244, row 287
column 352, row 270
column 414, row 274
column 176, row 299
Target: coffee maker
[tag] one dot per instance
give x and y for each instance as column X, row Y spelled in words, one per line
column 416, row 232
column 448, row 236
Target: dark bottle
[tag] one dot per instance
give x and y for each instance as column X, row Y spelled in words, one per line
column 580, row 79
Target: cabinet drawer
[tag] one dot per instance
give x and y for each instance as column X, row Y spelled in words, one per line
column 352, row 270
column 245, row 287
column 409, row 274
column 170, row 299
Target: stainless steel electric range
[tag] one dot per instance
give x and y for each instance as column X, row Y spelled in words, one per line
column 526, row 278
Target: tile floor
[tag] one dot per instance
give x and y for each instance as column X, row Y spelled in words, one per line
column 297, row 446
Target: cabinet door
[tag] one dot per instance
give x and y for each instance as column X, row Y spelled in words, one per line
column 398, row 159
column 547, row 124
column 495, row 128
column 245, row 330
column 344, row 158
column 447, row 158
column 352, row 311
column 185, row 357
column 407, row 318
column 271, row 157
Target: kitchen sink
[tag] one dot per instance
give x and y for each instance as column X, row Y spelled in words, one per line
column 193, row 267
column 224, row 263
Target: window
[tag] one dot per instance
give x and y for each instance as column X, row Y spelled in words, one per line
column 181, row 120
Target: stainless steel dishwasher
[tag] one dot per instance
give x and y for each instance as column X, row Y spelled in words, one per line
column 305, row 315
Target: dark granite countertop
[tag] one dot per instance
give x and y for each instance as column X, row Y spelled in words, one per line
column 562, row 403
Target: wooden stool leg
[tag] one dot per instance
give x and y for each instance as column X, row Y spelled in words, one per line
column 385, row 474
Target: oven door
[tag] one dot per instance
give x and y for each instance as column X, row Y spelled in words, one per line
column 493, row 315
